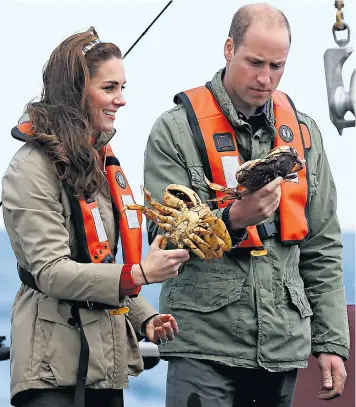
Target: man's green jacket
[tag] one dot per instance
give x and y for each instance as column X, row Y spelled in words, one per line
column 270, row 311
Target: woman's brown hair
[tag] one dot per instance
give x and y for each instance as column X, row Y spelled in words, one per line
column 61, row 120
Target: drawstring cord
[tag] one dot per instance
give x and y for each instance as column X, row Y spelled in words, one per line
column 104, row 161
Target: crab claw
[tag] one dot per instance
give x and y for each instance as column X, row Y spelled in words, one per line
column 299, row 165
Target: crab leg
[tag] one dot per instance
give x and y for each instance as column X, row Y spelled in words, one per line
column 203, row 246
column 164, row 210
column 194, row 248
column 150, row 214
column 219, row 229
column 164, row 242
column 202, row 231
column 216, row 243
column 220, row 188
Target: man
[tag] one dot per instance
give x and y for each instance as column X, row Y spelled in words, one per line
column 245, row 320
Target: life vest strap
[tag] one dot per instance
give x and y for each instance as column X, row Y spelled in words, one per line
column 267, row 230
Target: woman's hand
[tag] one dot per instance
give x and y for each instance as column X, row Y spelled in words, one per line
column 161, row 329
column 159, row 265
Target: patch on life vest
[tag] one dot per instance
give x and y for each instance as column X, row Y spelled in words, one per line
column 286, row 133
column 224, row 142
column 120, row 179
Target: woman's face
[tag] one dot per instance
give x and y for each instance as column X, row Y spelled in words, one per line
column 106, row 93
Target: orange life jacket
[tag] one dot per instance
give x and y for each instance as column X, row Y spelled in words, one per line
column 93, row 245
column 217, row 144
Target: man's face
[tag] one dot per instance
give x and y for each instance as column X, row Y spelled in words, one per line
column 254, row 69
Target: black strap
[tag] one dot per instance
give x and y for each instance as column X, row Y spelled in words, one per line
column 27, row 278
column 198, row 137
column 78, row 225
column 196, row 131
column 82, row 372
column 267, row 229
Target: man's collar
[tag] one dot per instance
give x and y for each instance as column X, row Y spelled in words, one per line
column 259, row 114
column 265, row 113
column 262, row 110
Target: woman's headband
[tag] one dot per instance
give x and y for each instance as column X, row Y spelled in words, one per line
column 93, row 43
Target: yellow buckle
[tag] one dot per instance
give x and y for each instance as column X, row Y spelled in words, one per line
column 119, row 311
column 257, row 253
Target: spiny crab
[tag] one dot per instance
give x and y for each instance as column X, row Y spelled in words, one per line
column 187, row 222
column 282, row 162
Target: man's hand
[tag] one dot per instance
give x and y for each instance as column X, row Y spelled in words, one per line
column 161, row 329
column 334, row 376
column 256, row 207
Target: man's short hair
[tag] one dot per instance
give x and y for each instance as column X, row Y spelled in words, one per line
column 245, row 15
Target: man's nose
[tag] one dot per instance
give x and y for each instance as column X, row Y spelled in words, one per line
column 264, row 77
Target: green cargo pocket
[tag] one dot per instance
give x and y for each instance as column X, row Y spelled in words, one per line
column 60, row 362
column 299, row 300
column 206, row 290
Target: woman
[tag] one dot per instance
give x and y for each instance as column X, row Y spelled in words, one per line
column 77, row 313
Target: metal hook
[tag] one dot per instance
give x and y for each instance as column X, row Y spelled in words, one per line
column 340, row 102
column 345, row 41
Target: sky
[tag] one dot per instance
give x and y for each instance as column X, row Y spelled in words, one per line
column 182, row 50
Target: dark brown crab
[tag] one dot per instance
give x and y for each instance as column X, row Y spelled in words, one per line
column 282, row 162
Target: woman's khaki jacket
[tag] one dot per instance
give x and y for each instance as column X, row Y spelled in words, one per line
column 44, row 345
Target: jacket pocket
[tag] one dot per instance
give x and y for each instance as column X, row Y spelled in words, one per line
column 134, row 357
column 60, row 362
column 208, row 289
column 299, row 300
column 295, row 285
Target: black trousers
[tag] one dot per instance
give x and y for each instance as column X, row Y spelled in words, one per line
column 202, row 383
column 65, row 398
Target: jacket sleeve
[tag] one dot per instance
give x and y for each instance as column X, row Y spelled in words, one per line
column 321, row 257
column 164, row 164
column 140, row 312
column 33, row 213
